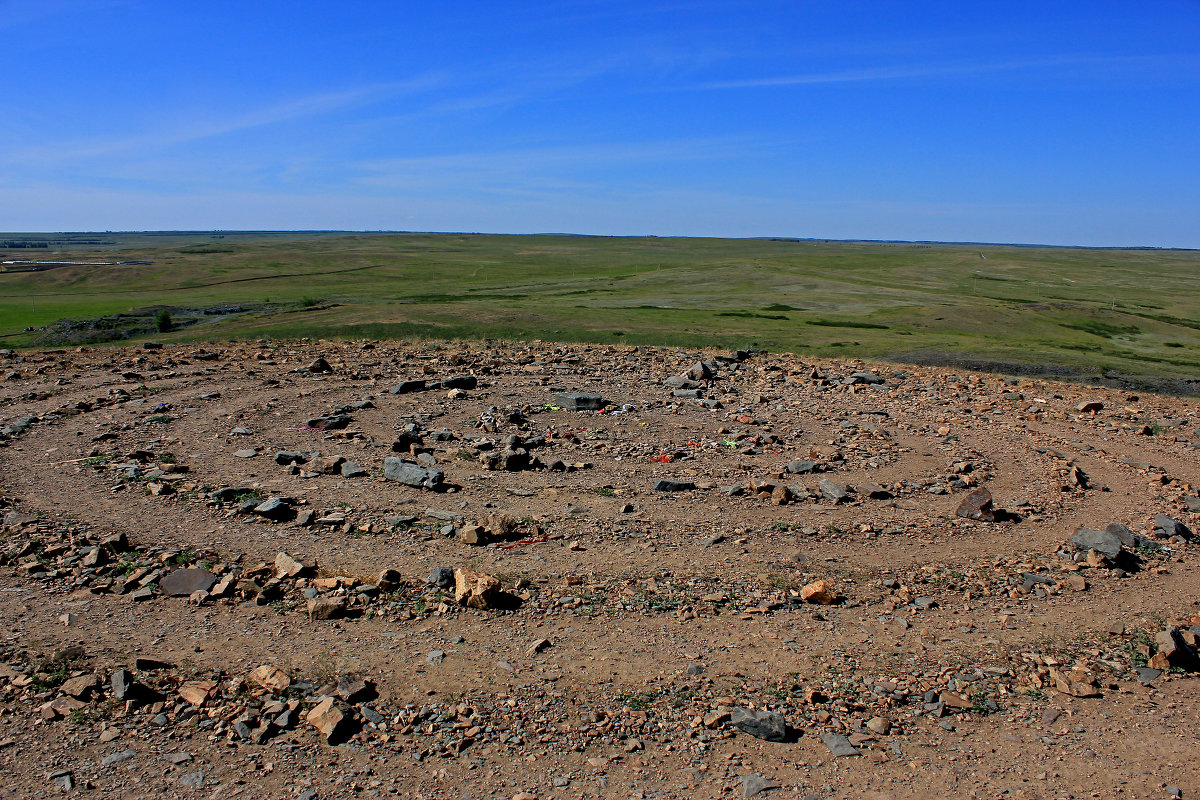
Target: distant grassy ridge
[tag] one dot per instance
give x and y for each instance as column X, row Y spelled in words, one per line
column 1090, row 312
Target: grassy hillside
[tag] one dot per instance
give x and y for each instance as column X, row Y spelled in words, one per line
column 1090, row 312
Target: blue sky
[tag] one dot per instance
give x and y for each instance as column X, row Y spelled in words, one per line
column 1060, row 123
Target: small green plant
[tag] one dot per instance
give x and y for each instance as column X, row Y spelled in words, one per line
column 419, row 605
column 637, row 701
column 604, row 491
column 1146, row 549
column 52, row 678
column 163, row 321
column 779, row 580
column 981, row 704
column 652, row 601
column 832, row 529
column 1138, row 642
column 129, row 567
column 184, row 558
column 1034, row 694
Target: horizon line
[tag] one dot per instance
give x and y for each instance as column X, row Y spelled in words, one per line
column 777, row 238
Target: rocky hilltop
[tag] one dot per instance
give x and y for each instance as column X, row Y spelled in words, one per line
column 502, row 570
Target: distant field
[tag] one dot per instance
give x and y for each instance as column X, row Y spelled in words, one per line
column 1127, row 314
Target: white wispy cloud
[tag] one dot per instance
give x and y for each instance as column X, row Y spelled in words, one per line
column 543, row 168
column 208, row 126
column 948, row 69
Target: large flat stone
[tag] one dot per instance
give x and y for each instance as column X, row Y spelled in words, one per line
column 183, row 582
column 576, row 401
column 1105, row 542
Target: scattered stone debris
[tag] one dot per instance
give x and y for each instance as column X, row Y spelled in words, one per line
column 660, row 589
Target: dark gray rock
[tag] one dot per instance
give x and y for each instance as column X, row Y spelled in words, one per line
column 667, row 485
column 333, row 422
column 1171, row 527
column 576, row 401
column 275, row 509
column 18, row 426
column 1147, row 675
column 285, row 458
column 408, row 387
column 803, row 467
column 410, row 474
column 122, row 684
column 1033, row 577
column 1127, row 537
column 839, row 745
column 442, row 577
column 761, row 724
column 120, row 757
column 460, row 382
column 754, row 785
column 833, row 492
column 183, row 582
column 702, row 371
column 1105, row 542
column 352, row 470
column 688, row 394
column 193, row 780
column 865, row 377
column 800, row 492
column 680, row 382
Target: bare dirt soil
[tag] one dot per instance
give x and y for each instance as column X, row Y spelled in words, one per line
column 414, row 569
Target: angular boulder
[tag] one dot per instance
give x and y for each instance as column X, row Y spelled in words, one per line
column 977, row 506
column 577, row 401
column 761, row 724
column 412, row 474
column 1105, row 542
column 474, row 589
column 668, row 485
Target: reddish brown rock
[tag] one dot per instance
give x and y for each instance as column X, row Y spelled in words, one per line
column 819, row 592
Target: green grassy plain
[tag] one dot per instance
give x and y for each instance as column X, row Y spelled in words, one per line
column 1077, row 312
